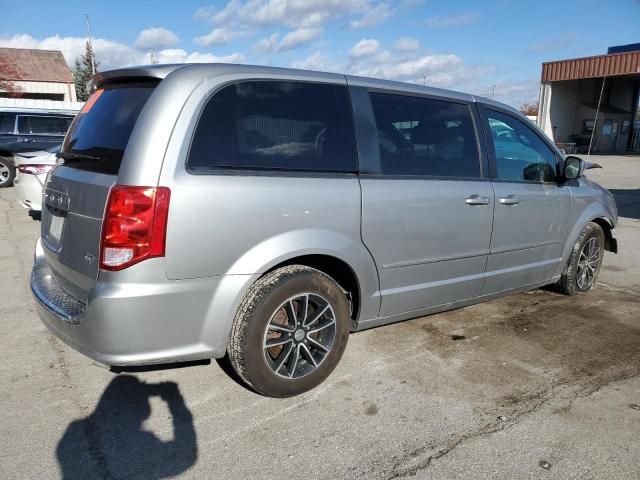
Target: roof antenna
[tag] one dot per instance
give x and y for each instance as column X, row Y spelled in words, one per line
column 93, row 63
column 595, row 122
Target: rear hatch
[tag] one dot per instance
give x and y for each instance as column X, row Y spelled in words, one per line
column 76, row 192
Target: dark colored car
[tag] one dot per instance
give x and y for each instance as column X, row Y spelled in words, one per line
column 26, row 131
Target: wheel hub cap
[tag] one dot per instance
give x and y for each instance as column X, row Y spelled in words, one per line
column 299, row 335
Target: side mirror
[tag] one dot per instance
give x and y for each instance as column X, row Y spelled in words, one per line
column 573, row 167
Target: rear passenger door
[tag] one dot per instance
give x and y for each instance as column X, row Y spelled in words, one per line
column 426, row 208
column 533, row 210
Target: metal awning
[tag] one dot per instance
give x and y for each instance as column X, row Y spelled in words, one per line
column 591, row 67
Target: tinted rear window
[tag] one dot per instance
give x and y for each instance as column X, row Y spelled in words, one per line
column 104, row 125
column 276, row 125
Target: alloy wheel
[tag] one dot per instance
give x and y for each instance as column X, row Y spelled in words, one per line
column 588, row 263
column 299, row 335
column 5, row 173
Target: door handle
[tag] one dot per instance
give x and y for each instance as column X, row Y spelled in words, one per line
column 476, row 200
column 509, row 200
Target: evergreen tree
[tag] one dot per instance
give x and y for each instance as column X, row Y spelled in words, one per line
column 84, row 72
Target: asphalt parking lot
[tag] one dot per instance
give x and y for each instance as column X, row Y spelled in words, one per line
column 536, row 385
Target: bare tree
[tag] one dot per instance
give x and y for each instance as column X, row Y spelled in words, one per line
column 529, row 109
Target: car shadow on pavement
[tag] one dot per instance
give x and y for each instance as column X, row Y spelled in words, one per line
column 111, row 441
column 628, row 202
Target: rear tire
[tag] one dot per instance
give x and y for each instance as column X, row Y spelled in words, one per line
column 7, row 172
column 290, row 331
column 582, row 270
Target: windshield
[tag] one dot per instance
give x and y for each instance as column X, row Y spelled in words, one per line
column 101, row 131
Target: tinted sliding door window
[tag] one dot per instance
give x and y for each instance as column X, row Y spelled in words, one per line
column 43, row 125
column 521, row 155
column 280, row 125
column 422, row 136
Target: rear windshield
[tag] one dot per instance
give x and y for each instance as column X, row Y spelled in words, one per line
column 102, row 129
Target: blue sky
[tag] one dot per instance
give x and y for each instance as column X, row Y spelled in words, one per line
column 478, row 47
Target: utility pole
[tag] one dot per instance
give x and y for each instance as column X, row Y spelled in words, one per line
column 93, row 63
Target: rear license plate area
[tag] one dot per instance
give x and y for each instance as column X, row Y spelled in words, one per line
column 53, row 228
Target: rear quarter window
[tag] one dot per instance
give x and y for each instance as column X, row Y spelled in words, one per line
column 276, row 125
column 104, row 125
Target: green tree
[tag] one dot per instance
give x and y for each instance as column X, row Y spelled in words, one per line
column 84, row 71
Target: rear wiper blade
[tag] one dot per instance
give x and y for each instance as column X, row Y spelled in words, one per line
column 76, row 156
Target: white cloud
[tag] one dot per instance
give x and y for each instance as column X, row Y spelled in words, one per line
column 298, row 37
column 406, row 44
column 218, row 36
column 364, row 48
column 268, row 44
column 443, row 21
column 291, row 13
column 112, row 54
column 153, row 38
column 317, row 61
column 512, row 92
column 372, row 17
column 109, row 54
column 292, row 40
column 441, row 69
column 177, row 55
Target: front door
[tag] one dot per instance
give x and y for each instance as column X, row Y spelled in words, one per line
column 532, row 211
column 609, row 136
column 426, row 209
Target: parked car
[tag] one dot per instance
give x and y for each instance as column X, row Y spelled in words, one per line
column 28, row 130
column 264, row 213
column 32, row 169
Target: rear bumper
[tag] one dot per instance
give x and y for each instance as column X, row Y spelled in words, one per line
column 126, row 324
column 28, row 190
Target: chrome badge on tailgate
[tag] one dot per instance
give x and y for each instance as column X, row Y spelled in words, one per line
column 56, row 200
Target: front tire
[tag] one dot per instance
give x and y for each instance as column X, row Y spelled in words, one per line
column 7, row 172
column 582, row 270
column 290, row 331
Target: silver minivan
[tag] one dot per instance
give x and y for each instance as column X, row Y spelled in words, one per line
column 262, row 214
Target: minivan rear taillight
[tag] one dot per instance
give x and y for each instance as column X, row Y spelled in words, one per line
column 135, row 225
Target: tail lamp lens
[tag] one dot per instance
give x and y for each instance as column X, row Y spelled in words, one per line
column 135, row 225
column 35, row 169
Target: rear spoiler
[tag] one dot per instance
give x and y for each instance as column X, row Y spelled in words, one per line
column 132, row 74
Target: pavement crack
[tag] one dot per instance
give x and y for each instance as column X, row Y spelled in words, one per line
column 421, row 458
